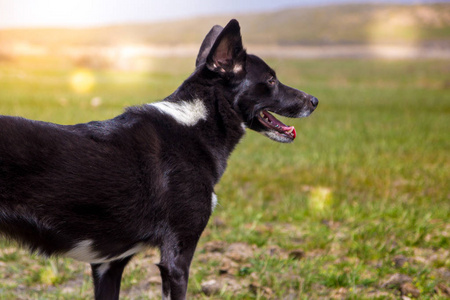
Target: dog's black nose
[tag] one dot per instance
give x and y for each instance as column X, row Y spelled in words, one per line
column 314, row 101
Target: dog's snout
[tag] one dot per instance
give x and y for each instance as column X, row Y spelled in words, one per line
column 314, row 101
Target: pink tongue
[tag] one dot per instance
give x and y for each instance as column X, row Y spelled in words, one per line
column 293, row 130
column 285, row 128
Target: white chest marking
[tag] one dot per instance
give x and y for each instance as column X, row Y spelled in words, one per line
column 184, row 112
column 83, row 251
column 213, row 202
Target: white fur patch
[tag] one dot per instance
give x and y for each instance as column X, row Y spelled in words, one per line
column 83, row 251
column 184, row 112
column 213, row 202
column 102, row 269
column 138, row 248
column 166, row 297
column 237, row 68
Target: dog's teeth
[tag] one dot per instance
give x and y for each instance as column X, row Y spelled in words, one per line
column 290, row 130
column 261, row 114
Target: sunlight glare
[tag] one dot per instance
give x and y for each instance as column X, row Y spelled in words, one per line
column 321, row 198
column 82, row 81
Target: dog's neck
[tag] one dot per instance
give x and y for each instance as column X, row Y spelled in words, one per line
column 220, row 126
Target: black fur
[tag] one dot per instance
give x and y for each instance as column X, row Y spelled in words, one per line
column 141, row 178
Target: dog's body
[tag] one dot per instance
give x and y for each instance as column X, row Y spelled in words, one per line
column 102, row 191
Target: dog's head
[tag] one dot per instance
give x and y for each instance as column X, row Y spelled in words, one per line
column 256, row 89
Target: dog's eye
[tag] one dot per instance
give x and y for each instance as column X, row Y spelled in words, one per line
column 271, row 81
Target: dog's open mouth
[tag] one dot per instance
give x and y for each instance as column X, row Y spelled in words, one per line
column 275, row 125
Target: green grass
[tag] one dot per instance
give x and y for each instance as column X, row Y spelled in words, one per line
column 365, row 181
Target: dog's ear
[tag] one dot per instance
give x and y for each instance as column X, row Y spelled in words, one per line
column 227, row 54
column 207, row 44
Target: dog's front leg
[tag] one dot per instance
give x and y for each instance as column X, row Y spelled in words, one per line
column 176, row 259
column 107, row 277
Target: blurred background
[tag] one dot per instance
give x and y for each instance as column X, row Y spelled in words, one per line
column 117, row 35
column 358, row 207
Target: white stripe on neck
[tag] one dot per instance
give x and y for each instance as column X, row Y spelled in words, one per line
column 186, row 113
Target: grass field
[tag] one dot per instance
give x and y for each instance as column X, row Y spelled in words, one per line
column 359, row 198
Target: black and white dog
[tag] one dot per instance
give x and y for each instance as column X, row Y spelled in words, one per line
column 101, row 192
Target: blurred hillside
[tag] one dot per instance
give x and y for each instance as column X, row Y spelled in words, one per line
column 352, row 25
column 339, row 24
